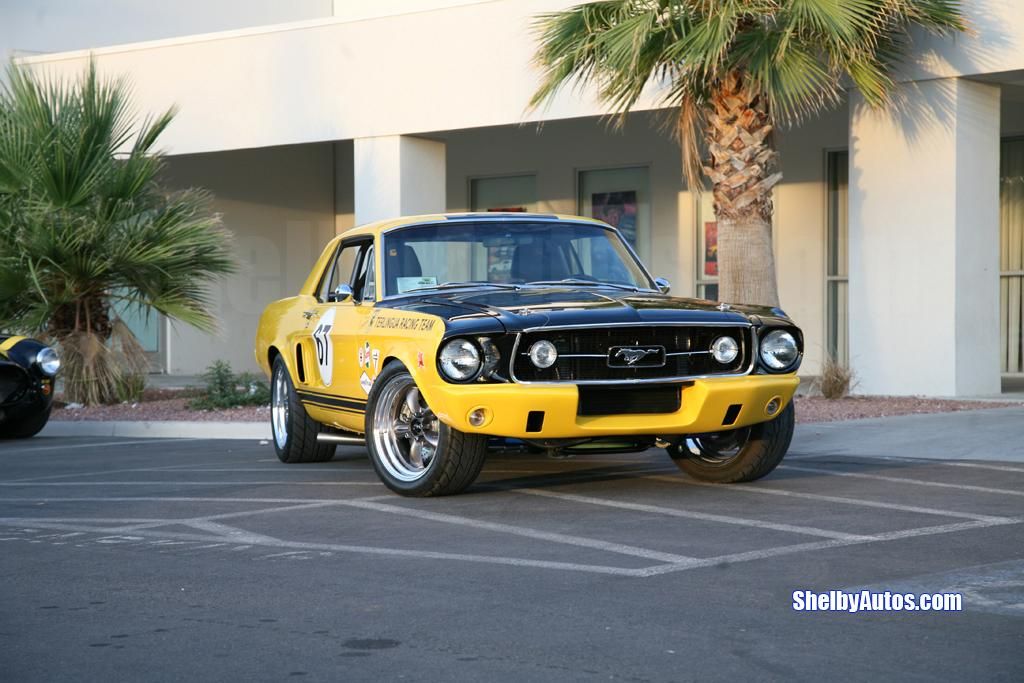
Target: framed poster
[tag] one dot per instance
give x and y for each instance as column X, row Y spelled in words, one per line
column 621, row 198
column 710, row 248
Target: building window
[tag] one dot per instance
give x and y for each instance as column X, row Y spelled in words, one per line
column 837, row 277
column 621, row 198
column 1011, row 256
column 507, row 193
column 707, row 247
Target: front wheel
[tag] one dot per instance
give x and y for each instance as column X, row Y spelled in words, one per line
column 26, row 427
column 413, row 452
column 736, row 455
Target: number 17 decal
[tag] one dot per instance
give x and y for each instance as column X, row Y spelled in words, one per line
column 324, row 347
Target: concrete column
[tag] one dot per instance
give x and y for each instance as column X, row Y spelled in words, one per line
column 398, row 175
column 924, row 241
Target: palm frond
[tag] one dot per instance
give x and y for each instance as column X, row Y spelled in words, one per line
column 796, row 52
column 84, row 222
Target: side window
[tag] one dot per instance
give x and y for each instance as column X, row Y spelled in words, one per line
column 366, row 285
column 340, row 272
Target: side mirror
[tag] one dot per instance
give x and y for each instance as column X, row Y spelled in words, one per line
column 340, row 293
column 663, row 285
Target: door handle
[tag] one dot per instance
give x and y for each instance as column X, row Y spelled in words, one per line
column 310, row 314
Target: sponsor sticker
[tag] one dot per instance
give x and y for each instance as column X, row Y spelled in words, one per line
column 419, row 360
column 365, row 382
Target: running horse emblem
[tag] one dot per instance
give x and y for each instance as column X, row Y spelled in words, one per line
column 632, row 356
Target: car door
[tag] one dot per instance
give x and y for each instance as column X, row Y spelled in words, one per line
column 342, row 310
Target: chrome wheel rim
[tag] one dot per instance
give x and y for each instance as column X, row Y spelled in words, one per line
column 279, row 408
column 405, row 430
column 717, row 449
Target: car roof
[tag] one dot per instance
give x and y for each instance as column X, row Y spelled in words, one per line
column 490, row 216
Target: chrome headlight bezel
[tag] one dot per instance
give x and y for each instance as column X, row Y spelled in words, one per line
column 47, row 361
column 725, row 349
column 460, row 351
column 543, row 354
column 772, row 344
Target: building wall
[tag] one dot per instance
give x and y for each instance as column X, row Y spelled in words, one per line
column 556, row 153
column 279, row 205
column 442, row 68
column 800, row 226
column 559, row 150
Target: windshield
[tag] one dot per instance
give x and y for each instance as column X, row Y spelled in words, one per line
column 507, row 253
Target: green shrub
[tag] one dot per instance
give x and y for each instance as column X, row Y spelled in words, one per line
column 225, row 389
column 129, row 387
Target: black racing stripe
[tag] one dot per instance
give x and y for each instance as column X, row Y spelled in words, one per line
column 325, row 394
column 339, row 409
column 335, row 400
column 332, row 401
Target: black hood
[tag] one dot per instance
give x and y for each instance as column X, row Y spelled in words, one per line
column 535, row 306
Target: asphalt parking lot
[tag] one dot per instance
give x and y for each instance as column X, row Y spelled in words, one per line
column 191, row 559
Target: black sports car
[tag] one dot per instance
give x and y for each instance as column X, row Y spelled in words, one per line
column 27, row 371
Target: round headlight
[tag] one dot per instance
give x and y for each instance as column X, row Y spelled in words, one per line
column 543, row 354
column 48, row 361
column 725, row 350
column 460, row 360
column 779, row 350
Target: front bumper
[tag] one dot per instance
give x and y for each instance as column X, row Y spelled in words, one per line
column 703, row 408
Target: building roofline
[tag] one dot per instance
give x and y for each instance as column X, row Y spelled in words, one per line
column 228, row 34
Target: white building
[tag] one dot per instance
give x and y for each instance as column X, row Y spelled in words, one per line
column 899, row 239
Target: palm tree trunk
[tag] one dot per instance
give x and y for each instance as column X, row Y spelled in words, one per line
column 738, row 136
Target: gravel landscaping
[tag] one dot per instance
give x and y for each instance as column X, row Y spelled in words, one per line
column 166, row 404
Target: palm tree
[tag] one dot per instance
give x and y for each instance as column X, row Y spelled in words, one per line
column 86, row 229
column 734, row 70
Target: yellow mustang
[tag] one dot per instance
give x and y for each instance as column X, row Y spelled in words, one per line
column 436, row 339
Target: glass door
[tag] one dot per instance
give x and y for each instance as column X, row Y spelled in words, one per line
column 145, row 324
column 1011, row 256
column 837, row 278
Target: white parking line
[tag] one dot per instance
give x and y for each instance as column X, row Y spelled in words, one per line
column 527, row 532
column 302, row 469
column 902, row 480
column 370, row 550
column 655, row 570
column 825, row 545
column 131, row 525
column 190, row 483
column 78, row 446
column 690, row 514
column 997, row 468
column 163, row 499
column 859, row 460
column 231, row 533
column 72, row 475
column 750, row 488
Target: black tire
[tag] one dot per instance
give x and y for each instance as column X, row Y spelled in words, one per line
column 758, row 450
column 455, row 462
column 25, row 428
column 299, row 442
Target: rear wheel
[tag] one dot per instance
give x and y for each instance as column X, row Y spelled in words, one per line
column 293, row 429
column 736, row 455
column 413, row 452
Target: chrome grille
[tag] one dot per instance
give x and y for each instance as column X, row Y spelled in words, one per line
column 584, row 353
